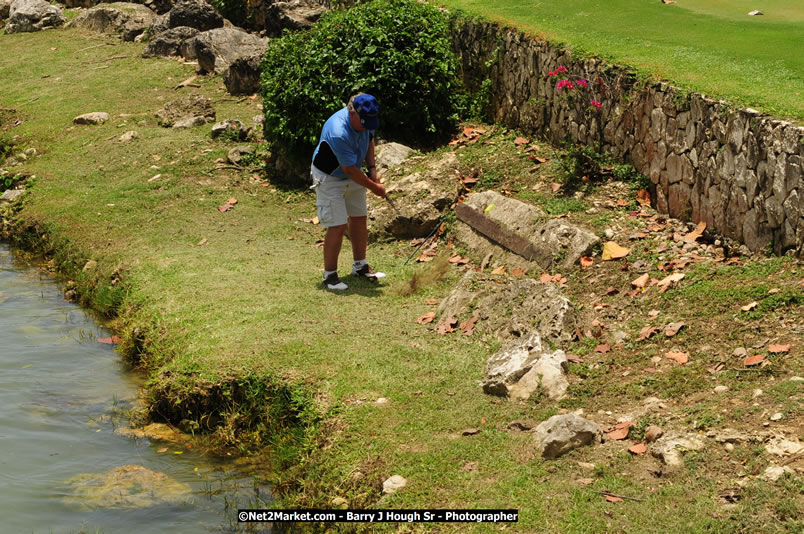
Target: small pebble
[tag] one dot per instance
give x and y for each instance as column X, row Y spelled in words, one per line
column 776, row 417
column 757, row 393
column 721, row 389
column 729, row 447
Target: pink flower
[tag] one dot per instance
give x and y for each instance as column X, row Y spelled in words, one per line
column 595, row 103
column 582, row 83
column 552, row 73
column 564, row 83
column 562, row 69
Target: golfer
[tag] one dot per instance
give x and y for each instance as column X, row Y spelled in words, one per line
column 347, row 142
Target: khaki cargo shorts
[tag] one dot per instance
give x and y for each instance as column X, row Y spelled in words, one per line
column 337, row 199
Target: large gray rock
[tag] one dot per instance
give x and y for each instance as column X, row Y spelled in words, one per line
column 5, row 7
column 32, row 16
column 525, row 366
column 217, row 49
column 513, row 310
column 186, row 107
column 292, row 15
column 562, row 433
column 242, row 76
column 421, row 199
column 121, row 18
column 94, row 118
column 558, row 244
column 169, row 42
column 190, row 13
column 389, row 155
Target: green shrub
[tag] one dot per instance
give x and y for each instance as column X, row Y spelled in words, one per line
column 397, row 50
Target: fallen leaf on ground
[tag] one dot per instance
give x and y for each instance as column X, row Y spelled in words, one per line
column 426, row 318
column 754, row 360
column 229, row 205
column 519, row 141
column 695, row 234
column 639, row 448
column 447, row 326
column 680, row 357
column 614, row 498
column 613, row 251
column 749, row 307
column 646, row 332
column 432, row 302
column 114, row 340
column 545, row 278
column 163, row 449
column 517, row 272
column 603, row 348
column 672, row 329
column 619, row 431
column 468, row 326
column 586, row 262
column 640, row 282
column 499, row 270
column 643, row 197
column 672, row 279
column 621, row 203
column 776, row 349
column 653, row 314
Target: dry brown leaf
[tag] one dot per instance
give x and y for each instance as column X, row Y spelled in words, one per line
column 114, row 340
column 613, row 251
column 640, row 282
column 468, row 326
column 519, row 141
column 695, row 234
column 754, row 360
column 586, row 262
column 499, row 270
column 672, row 279
column 614, row 498
column 555, row 186
column 621, row 203
column 603, row 348
column 680, row 357
column 646, row 332
column 749, row 307
column 643, row 197
column 432, row 302
column 426, row 318
column 619, row 431
column 546, row 278
column 639, row 448
column 672, row 329
column 517, row 272
column 447, row 326
column 776, row 349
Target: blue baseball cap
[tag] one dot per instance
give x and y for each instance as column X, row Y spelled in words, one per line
column 368, row 109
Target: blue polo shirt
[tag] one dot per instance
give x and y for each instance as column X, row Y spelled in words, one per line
column 341, row 145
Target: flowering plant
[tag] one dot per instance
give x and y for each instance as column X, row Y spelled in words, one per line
column 567, row 86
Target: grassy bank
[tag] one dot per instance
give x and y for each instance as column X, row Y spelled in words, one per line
column 226, row 311
column 708, row 46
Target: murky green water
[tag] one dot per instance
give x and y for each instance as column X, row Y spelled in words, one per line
column 63, row 469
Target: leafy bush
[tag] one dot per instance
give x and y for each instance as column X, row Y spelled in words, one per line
column 397, row 50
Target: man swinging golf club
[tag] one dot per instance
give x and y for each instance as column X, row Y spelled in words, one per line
column 346, row 143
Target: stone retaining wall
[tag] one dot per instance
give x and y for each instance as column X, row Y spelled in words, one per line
column 738, row 170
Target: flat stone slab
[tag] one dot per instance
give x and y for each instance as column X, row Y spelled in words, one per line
column 518, row 234
column 96, row 117
column 562, row 433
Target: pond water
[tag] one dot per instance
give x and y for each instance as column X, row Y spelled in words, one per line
column 63, row 466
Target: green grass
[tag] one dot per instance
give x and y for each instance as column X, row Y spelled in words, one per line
column 244, row 319
column 710, row 46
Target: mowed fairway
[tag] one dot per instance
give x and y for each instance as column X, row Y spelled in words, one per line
column 710, row 46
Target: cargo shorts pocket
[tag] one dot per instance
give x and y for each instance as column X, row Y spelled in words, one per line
column 325, row 214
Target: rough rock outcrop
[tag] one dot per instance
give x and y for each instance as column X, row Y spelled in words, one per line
column 525, row 366
column 196, row 14
column 551, row 243
column 186, row 107
column 388, row 155
column 169, row 42
column 514, row 309
column 96, row 117
column 242, row 77
column 562, row 433
column 669, row 448
column 217, row 49
column 120, row 18
column 420, row 198
column 33, row 15
column 294, row 15
column 5, row 7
